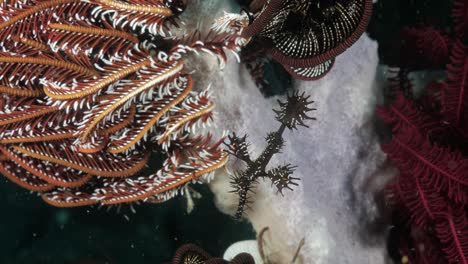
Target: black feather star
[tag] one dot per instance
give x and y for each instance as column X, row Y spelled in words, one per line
column 193, row 254
column 292, row 113
column 305, row 36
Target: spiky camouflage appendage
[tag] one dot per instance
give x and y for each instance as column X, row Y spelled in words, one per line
column 294, row 111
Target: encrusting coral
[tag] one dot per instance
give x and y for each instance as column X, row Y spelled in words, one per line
column 93, row 90
column 291, row 114
column 428, row 146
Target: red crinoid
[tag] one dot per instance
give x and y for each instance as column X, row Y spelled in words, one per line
column 306, row 36
column 460, row 17
column 429, row 148
column 423, row 47
column 92, row 89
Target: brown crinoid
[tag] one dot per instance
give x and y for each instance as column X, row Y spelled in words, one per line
column 305, row 36
column 91, row 90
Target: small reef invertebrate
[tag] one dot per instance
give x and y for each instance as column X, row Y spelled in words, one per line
column 193, row 254
column 305, row 36
column 428, row 146
column 92, row 91
column 291, row 114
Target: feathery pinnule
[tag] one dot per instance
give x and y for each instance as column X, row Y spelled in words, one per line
column 91, row 89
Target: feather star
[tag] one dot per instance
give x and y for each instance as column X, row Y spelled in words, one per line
column 92, row 91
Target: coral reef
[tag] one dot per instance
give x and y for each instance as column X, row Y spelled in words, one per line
column 291, row 114
column 428, row 146
column 357, row 77
column 92, row 91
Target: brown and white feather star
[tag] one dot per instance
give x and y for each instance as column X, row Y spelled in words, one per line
column 92, row 90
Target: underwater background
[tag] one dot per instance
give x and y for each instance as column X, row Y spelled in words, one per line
column 33, row 232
